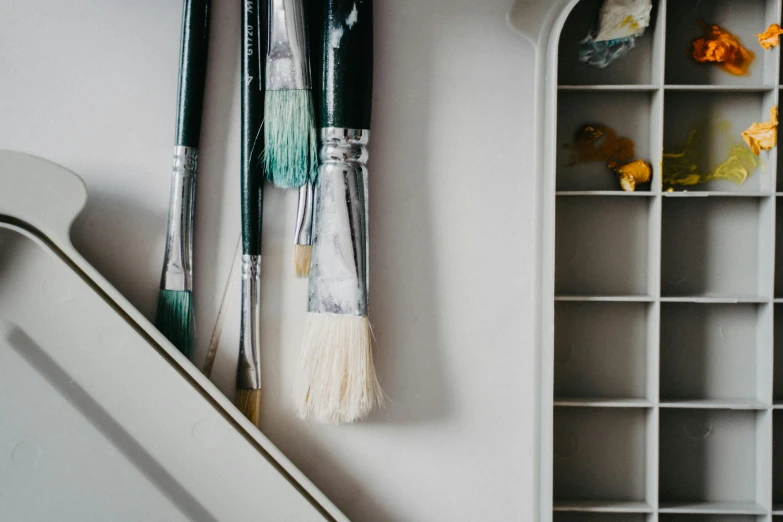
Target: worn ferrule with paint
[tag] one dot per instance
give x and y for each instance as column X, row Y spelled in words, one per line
column 339, row 270
column 287, row 56
column 249, row 366
column 303, row 235
column 178, row 259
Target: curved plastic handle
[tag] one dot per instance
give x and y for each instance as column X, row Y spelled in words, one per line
column 40, row 193
column 533, row 18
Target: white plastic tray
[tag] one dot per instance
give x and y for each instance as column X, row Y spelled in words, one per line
column 102, row 418
column 661, row 313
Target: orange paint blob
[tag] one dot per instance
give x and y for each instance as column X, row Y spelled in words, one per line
column 721, row 47
column 771, row 37
column 596, row 142
column 762, row 135
column 632, row 174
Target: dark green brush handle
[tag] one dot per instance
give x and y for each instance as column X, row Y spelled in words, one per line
column 253, row 53
column 192, row 71
column 345, row 90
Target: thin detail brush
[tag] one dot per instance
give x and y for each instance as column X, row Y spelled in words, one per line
column 303, row 231
column 291, row 148
column 303, row 235
column 337, row 380
column 249, row 366
column 175, row 301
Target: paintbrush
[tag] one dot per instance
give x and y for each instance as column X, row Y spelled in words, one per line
column 337, row 381
column 175, row 301
column 248, row 398
column 303, row 233
column 291, row 148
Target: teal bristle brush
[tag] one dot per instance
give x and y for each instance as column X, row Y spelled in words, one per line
column 291, row 145
column 248, row 398
column 337, row 380
column 175, row 302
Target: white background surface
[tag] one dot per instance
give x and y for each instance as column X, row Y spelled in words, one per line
column 92, row 84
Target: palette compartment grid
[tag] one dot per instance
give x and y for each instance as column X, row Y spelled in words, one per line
column 667, row 364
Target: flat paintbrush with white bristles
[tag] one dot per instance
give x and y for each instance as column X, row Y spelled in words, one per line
column 337, row 380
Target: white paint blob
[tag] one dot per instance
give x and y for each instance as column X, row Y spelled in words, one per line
column 352, row 17
column 337, row 35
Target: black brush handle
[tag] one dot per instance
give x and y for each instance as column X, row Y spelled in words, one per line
column 253, row 53
column 346, row 47
column 192, row 71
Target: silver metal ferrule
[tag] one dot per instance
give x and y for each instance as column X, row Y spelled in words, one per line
column 303, row 235
column 178, row 259
column 286, row 62
column 339, row 270
column 249, row 366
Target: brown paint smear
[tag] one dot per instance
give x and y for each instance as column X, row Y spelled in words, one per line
column 597, row 142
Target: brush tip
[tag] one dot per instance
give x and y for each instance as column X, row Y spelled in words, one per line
column 174, row 318
column 337, row 382
column 249, row 403
column 290, row 141
column 302, row 256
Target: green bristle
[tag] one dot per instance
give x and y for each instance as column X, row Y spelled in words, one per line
column 175, row 318
column 291, row 146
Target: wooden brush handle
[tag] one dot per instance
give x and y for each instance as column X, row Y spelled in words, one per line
column 253, row 58
column 346, row 54
column 192, row 71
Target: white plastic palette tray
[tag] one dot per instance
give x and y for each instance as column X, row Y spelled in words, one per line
column 661, row 313
column 102, row 418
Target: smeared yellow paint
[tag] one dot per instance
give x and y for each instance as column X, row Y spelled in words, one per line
column 683, row 168
column 631, row 23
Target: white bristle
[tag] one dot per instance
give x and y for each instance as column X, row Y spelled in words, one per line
column 337, row 381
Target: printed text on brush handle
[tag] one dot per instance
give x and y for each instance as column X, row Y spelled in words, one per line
column 192, row 71
column 347, row 58
column 252, row 92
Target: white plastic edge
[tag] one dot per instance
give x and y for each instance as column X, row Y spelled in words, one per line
column 540, row 22
column 64, row 194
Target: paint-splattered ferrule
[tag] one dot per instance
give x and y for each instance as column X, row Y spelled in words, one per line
column 287, row 61
column 339, row 270
column 178, row 258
